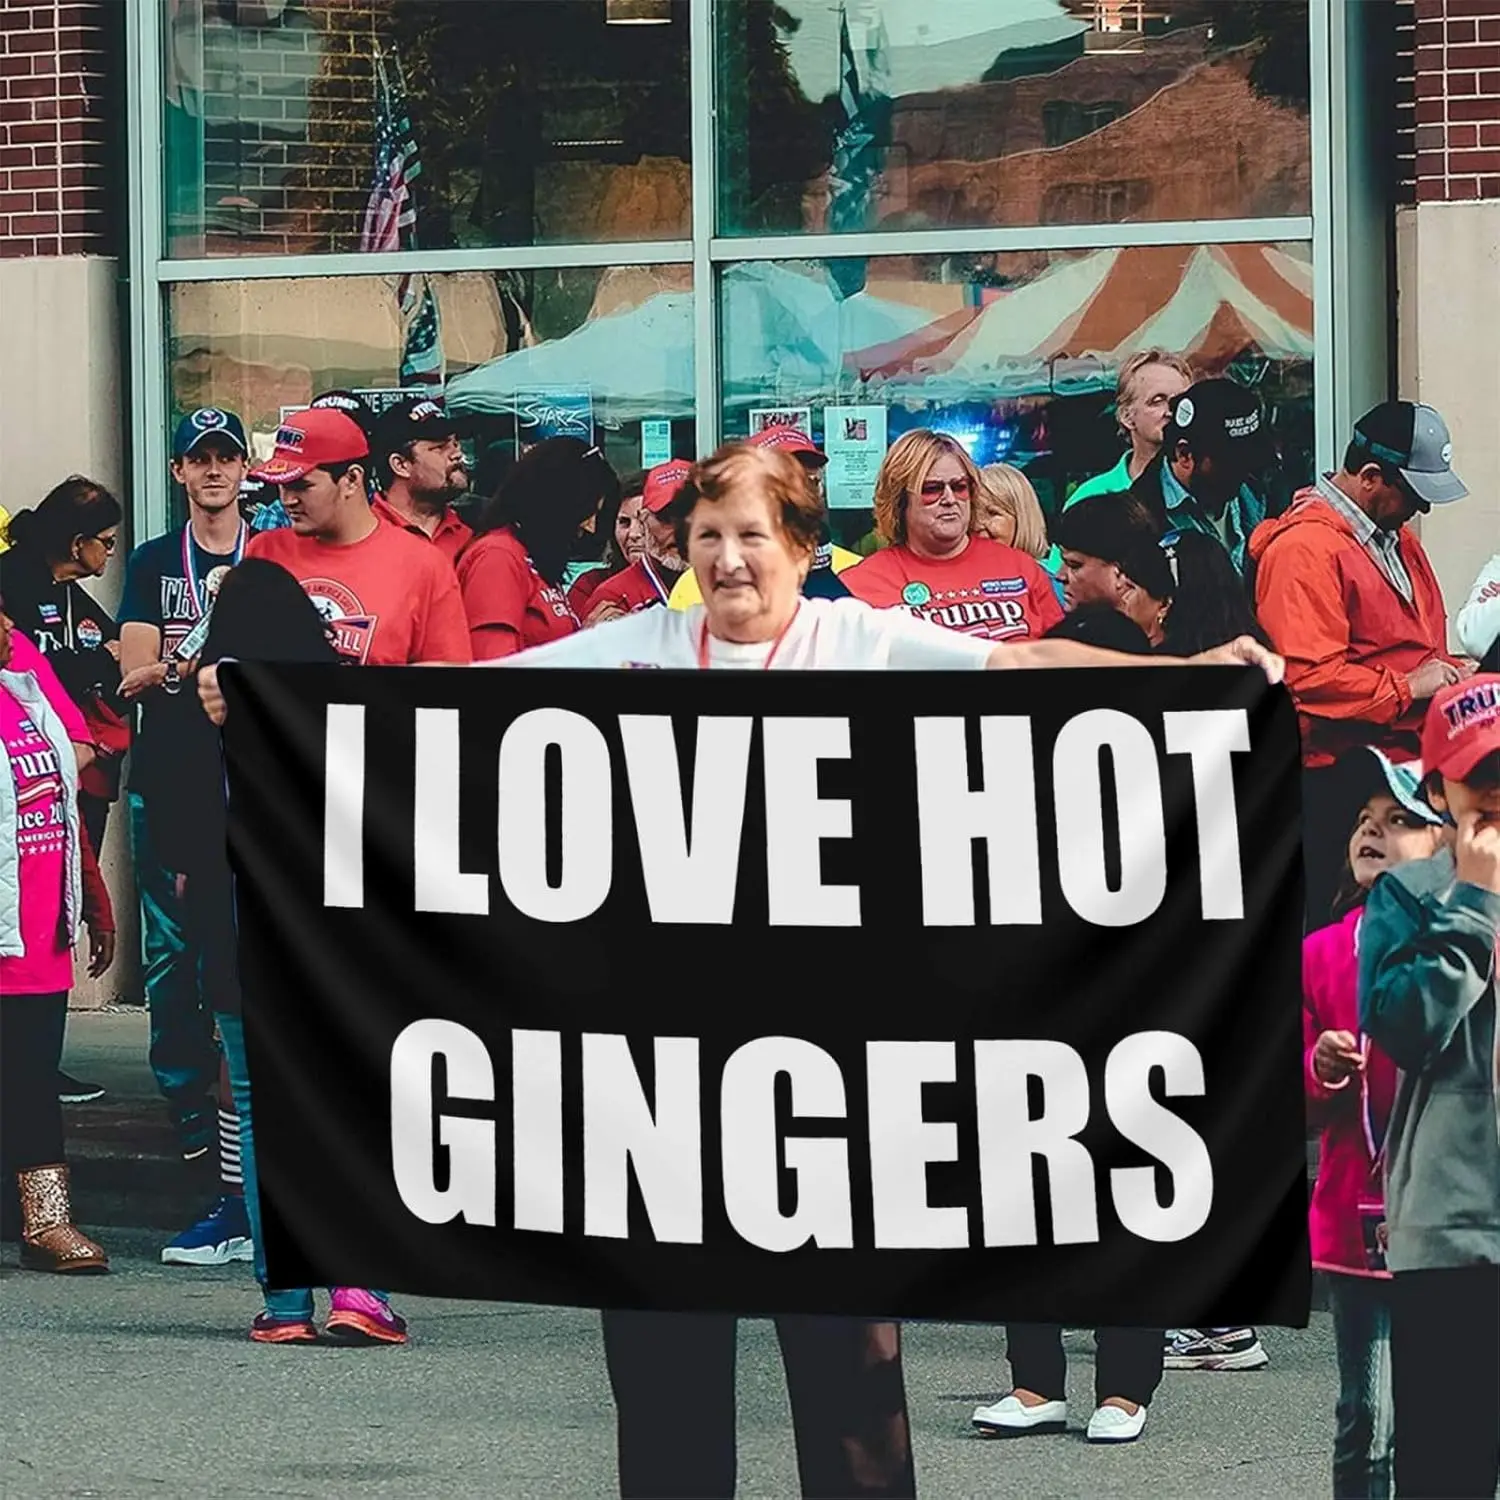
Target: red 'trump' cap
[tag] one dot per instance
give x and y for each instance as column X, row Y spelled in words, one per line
column 308, row 439
column 794, row 440
column 1462, row 726
column 662, row 484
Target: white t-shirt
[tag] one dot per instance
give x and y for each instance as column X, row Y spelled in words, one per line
column 829, row 634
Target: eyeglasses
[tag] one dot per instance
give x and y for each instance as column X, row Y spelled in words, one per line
column 933, row 489
column 107, row 542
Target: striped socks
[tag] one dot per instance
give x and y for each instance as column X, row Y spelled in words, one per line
column 229, row 1152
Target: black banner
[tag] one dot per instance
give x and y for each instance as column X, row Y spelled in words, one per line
column 968, row 996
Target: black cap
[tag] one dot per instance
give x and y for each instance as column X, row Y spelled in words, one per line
column 1104, row 526
column 1223, row 420
column 355, row 407
column 416, row 419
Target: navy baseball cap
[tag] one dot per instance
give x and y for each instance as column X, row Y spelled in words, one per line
column 206, row 422
column 1223, row 419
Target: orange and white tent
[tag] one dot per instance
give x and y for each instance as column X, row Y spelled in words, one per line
column 1070, row 329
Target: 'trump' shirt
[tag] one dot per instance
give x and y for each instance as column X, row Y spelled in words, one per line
column 42, row 848
column 828, row 634
column 159, row 592
column 996, row 592
column 509, row 605
column 390, row 599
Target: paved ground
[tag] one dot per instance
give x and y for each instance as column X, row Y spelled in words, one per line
column 142, row 1382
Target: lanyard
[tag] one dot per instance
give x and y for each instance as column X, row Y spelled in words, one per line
column 765, row 666
column 196, row 591
column 656, row 583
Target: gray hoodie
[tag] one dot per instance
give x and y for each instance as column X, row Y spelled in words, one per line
column 1427, row 998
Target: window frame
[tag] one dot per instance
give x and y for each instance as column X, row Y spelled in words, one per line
column 1351, row 365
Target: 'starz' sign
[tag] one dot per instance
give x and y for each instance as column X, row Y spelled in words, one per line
column 961, row 996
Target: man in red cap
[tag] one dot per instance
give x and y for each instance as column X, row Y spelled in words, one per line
column 390, row 598
column 649, row 580
column 1427, row 999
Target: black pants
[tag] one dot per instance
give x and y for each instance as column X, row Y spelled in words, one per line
column 1447, row 1401
column 1326, row 825
column 31, row 1037
column 1128, row 1362
column 673, row 1381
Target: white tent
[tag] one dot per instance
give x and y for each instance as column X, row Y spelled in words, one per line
column 785, row 335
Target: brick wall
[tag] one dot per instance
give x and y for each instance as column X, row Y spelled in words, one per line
column 1458, row 100
column 56, row 126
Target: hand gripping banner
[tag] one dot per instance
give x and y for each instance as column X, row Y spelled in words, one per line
column 962, row 996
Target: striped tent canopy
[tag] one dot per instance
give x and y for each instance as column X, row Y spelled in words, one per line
column 1069, row 330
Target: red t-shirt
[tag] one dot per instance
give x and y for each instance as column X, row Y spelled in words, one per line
column 46, row 967
column 633, row 588
column 390, row 599
column 990, row 590
column 581, row 595
column 450, row 538
column 509, row 605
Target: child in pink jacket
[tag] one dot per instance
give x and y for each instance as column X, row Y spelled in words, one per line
column 1350, row 1087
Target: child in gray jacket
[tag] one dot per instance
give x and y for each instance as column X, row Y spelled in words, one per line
column 1427, row 982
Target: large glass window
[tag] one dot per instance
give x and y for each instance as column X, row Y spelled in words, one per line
column 606, row 355
column 847, row 115
column 307, row 126
column 1016, row 354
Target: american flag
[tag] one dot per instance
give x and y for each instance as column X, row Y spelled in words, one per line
column 391, row 214
column 852, row 175
column 422, row 351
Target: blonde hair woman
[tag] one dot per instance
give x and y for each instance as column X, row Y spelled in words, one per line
column 1148, row 381
column 1009, row 512
column 930, row 506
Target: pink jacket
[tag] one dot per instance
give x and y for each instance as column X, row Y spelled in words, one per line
column 1347, row 1175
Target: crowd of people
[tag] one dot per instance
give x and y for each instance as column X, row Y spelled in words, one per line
column 371, row 554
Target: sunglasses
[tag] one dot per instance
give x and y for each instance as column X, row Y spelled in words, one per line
column 932, row 490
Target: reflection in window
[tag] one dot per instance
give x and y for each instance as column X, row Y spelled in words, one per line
column 603, row 353
column 526, row 123
column 1017, row 353
column 908, row 114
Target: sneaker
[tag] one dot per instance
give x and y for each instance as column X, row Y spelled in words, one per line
column 1214, row 1349
column 360, row 1317
column 1113, row 1424
column 1011, row 1417
column 220, row 1236
column 71, row 1091
column 268, row 1330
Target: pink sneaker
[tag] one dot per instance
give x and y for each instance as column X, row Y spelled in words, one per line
column 360, row 1317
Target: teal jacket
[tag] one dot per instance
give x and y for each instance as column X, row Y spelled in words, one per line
column 1427, row 998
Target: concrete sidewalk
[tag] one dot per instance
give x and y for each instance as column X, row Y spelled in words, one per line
column 126, row 1166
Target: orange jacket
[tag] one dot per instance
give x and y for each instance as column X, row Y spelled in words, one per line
column 1348, row 637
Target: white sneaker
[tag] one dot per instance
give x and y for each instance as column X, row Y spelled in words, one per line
column 1010, row 1417
column 1113, row 1424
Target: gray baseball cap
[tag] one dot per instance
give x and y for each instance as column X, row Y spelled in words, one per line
column 1415, row 439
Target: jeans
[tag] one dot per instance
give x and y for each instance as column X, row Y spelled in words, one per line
column 295, row 1304
column 1127, row 1362
column 183, row 1056
column 1364, row 1420
column 1446, row 1380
